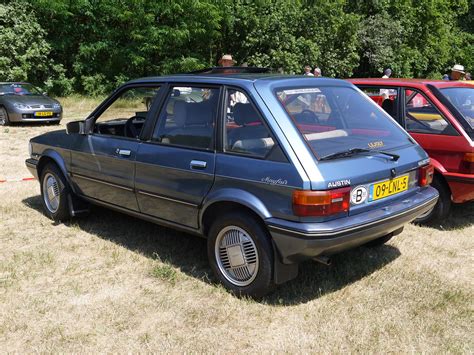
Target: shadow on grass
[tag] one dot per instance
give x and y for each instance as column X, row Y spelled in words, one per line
column 189, row 254
column 461, row 216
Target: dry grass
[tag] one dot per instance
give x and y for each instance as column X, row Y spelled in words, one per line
column 113, row 283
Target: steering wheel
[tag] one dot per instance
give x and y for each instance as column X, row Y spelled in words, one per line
column 309, row 116
column 130, row 129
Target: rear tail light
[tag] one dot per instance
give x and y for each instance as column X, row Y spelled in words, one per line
column 321, row 203
column 425, row 176
column 467, row 163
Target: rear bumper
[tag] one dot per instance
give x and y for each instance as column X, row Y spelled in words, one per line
column 300, row 241
column 32, row 164
column 461, row 186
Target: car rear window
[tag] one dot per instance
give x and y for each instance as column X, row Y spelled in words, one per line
column 463, row 99
column 335, row 119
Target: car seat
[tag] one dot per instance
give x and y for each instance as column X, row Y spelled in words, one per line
column 249, row 122
column 389, row 107
column 194, row 125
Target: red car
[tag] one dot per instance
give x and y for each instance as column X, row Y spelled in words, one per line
column 439, row 115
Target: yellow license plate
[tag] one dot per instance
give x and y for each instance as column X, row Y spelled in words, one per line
column 388, row 188
column 43, row 114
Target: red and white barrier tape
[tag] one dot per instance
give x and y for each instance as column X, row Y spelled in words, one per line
column 31, row 178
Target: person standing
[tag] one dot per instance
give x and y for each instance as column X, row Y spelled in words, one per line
column 307, row 71
column 457, row 71
column 226, row 61
column 385, row 93
column 317, row 72
column 387, row 73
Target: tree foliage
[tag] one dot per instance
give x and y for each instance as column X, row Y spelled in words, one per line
column 91, row 46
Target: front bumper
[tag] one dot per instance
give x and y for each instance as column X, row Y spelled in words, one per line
column 28, row 116
column 300, row 241
column 32, row 164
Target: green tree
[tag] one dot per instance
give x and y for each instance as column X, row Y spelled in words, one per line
column 102, row 43
column 25, row 53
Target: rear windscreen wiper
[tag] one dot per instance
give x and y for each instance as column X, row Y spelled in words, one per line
column 353, row 151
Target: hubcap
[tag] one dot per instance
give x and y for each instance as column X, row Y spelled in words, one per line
column 51, row 192
column 236, row 255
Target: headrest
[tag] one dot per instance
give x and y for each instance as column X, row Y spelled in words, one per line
column 199, row 114
column 253, row 144
column 245, row 114
column 180, row 113
column 387, row 104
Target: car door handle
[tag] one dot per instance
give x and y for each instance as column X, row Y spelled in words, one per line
column 198, row 164
column 123, row 152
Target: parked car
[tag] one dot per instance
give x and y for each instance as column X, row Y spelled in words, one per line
column 249, row 162
column 23, row 102
column 440, row 117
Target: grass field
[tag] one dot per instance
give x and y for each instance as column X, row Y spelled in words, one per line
column 112, row 283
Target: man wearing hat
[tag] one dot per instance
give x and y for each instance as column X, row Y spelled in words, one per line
column 226, row 61
column 457, row 71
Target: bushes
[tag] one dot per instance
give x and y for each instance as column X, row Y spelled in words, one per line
column 91, row 47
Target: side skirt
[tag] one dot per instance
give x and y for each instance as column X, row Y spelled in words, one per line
column 145, row 217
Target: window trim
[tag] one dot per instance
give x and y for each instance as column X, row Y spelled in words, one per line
column 425, row 96
column 223, row 133
column 95, row 115
column 164, row 102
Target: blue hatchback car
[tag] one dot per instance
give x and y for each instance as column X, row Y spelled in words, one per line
column 272, row 170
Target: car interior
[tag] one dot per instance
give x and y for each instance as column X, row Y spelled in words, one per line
column 124, row 127
column 193, row 125
column 248, row 134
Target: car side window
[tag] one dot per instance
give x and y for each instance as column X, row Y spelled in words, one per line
column 385, row 97
column 245, row 132
column 421, row 116
column 126, row 115
column 188, row 118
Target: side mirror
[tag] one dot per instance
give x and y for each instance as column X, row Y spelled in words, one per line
column 75, row 127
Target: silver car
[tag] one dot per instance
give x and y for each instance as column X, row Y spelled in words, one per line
column 23, row 102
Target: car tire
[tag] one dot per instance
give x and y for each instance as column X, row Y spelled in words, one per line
column 4, row 121
column 441, row 210
column 379, row 241
column 55, row 192
column 240, row 238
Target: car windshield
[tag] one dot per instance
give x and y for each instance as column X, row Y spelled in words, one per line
column 18, row 89
column 463, row 99
column 340, row 119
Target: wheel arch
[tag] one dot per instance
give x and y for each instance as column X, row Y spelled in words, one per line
column 439, row 173
column 228, row 199
column 51, row 156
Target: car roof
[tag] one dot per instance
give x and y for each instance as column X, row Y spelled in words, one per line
column 406, row 81
column 242, row 79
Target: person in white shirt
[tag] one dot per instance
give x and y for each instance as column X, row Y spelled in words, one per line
column 307, row 71
column 387, row 73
